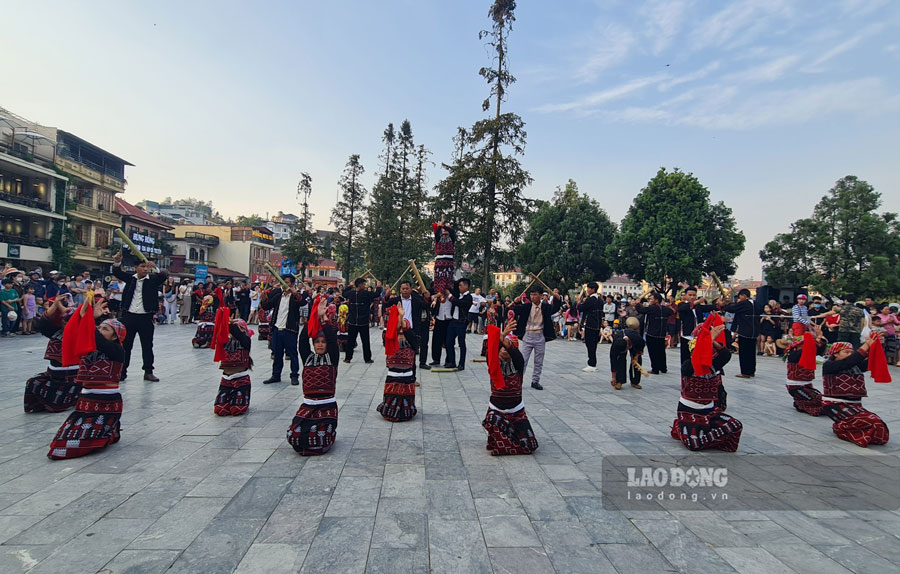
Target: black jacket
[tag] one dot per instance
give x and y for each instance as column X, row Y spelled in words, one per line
column 273, row 302
column 359, row 306
column 620, row 345
column 149, row 291
column 419, row 308
column 523, row 310
column 689, row 316
column 592, row 308
column 655, row 319
column 461, row 304
column 746, row 318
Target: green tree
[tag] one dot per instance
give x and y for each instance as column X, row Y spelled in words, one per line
column 301, row 246
column 383, row 232
column 62, row 238
column 672, row 231
column 489, row 169
column 567, row 237
column 250, row 220
column 844, row 247
column 348, row 217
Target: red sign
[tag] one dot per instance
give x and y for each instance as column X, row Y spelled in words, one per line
column 260, row 278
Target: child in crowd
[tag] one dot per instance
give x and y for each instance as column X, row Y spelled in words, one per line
column 769, row 349
column 29, row 310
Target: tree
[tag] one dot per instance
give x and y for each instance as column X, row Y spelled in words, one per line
column 489, row 169
column 348, row 217
column 301, row 246
column 671, row 231
column 250, row 221
column 567, row 237
column 62, row 238
column 844, row 247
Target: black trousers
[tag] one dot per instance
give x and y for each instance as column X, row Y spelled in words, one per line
column 439, row 340
column 591, row 338
column 422, row 333
column 139, row 324
column 363, row 331
column 656, row 348
column 621, row 366
column 747, row 355
column 685, row 345
column 456, row 331
column 847, row 337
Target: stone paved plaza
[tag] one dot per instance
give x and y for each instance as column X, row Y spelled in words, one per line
column 186, row 491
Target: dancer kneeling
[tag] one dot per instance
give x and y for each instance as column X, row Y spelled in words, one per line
column 844, row 386
column 625, row 340
column 701, row 422
column 234, row 360
column 801, row 371
column 400, row 344
column 205, row 325
column 56, row 389
column 314, row 428
column 95, row 423
column 506, row 423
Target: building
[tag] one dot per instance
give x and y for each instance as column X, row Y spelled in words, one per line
column 177, row 212
column 325, row 272
column 148, row 233
column 31, row 193
column 282, row 226
column 507, row 277
column 623, row 285
column 229, row 248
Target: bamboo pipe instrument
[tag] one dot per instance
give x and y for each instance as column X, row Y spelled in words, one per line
column 397, row 282
column 131, row 246
column 544, row 285
column 415, row 270
column 719, row 285
column 276, row 275
column 536, row 278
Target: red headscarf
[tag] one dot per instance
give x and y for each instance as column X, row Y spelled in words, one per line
column 493, row 357
column 391, row 340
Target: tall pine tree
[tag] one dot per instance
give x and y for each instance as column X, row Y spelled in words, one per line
column 301, row 246
column 348, row 218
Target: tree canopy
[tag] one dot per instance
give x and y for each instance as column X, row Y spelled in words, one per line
column 672, row 231
column 567, row 237
column 845, row 247
column 348, row 218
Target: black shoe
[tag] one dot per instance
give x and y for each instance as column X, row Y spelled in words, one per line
column 370, row 361
column 461, row 367
column 537, row 386
column 424, row 367
column 151, row 377
column 434, row 363
column 654, row 372
column 271, row 380
column 449, row 366
column 295, row 380
column 347, row 361
column 664, row 371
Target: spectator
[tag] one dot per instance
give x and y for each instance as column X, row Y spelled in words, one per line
column 852, row 322
column 889, row 323
column 29, row 309
column 9, row 307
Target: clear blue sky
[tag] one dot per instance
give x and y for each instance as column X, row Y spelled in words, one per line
column 768, row 102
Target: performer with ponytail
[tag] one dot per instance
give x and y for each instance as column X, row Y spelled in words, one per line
column 314, row 428
column 506, row 423
column 701, row 422
column 800, row 357
column 231, row 341
column 400, row 344
column 100, row 357
column 56, row 389
column 844, row 386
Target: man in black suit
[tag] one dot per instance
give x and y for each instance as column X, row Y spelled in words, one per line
column 534, row 327
column 140, row 301
column 746, row 324
column 461, row 301
column 284, row 327
column 415, row 309
column 691, row 313
column 591, row 307
column 656, row 316
column 359, row 308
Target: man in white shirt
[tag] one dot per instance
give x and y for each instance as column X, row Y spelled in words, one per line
column 140, row 301
column 442, row 313
column 115, row 289
column 474, row 311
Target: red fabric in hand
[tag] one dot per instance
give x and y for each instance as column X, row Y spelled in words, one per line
column 313, row 326
column 391, row 343
column 808, row 354
column 70, row 341
column 493, row 357
column 220, row 333
column 878, row 362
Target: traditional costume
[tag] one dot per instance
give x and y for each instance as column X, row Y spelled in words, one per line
column 801, row 371
column 206, row 323
column 314, row 428
column 264, row 328
column 400, row 344
column 506, row 423
column 342, row 326
column 95, row 423
column 234, row 359
column 444, row 249
column 625, row 340
column 56, row 389
column 701, row 422
column 844, row 386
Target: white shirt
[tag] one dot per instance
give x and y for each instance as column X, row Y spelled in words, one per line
column 444, row 311
column 116, row 295
column 284, row 307
column 137, row 302
column 254, row 300
column 476, row 304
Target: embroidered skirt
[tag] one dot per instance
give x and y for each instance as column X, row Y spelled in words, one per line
column 509, row 433
column 853, row 423
column 54, row 390
column 94, row 425
column 234, row 396
column 699, row 429
column 807, row 399
column 399, row 402
column 203, row 336
column 314, row 428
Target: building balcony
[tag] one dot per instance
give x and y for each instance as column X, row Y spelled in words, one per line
column 24, row 240
column 201, row 238
column 86, row 212
column 89, row 171
column 93, row 253
column 32, row 202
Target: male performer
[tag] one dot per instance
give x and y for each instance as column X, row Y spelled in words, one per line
column 415, row 310
column 746, row 323
column 359, row 304
column 590, row 307
column 656, row 316
column 691, row 314
column 284, row 325
column 139, row 304
column 625, row 340
column 461, row 301
column 534, row 327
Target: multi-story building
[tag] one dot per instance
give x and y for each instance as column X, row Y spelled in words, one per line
column 148, row 233
column 507, row 277
column 228, row 248
column 177, row 212
column 622, row 285
column 282, row 226
column 323, row 272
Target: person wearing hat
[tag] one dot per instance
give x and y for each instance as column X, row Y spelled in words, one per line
column 96, row 421
column 139, row 305
column 9, row 307
column 626, row 340
column 51, row 285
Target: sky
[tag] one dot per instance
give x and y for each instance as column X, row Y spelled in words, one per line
column 767, row 102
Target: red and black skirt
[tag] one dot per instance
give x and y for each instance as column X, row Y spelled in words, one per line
column 807, row 399
column 264, row 331
column 797, row 373
column 203, row 336
column 95, row 424
column 508, row 432
column 55, row 390
column 700, row 429
column 399, row 402
column 234, row 395
column 314, row 428
column 853, row 423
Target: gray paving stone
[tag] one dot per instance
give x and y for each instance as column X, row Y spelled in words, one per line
column 457, row 546
column 140, row 562
column 94, row 547
column 636, row 558
column 450, row 500
column 520, row 561
column 397, row 529
column 257, row 498
column 219, row 547
column 295, row 520
column 177, row 528
column 70, row 520
column 804, row 559
column 858, row 559
column 17, row 558
column 272, row 559
column 341, row 545
column 355, row 496
column 753, row 561
column 12, row 525
column 399, row 560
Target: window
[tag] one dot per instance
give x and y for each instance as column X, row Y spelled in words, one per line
column 132, row 230
column 154, row 235
column 102, row 239
column 321, row 273
column 192, row 254
column 202, row 255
